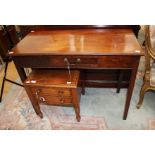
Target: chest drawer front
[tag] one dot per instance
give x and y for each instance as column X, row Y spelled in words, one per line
column 52, row 96
column 51, row 91
column 54, row 100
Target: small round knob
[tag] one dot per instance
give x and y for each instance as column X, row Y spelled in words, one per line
column 78, row 59
column 42, row 99
column 65, row 60
column 37, row 92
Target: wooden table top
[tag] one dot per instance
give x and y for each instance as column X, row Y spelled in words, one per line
column 79, row 42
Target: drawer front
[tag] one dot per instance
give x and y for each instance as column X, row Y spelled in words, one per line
column 78, row 61
column 52, row 96
column 55, row 100
column 51, row 91
column 58, row 61
column 116, row 61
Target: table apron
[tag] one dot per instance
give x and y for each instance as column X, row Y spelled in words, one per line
column 78, row 62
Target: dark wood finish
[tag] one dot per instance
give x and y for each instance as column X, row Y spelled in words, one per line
column 34, row 102
column 54, row 78
column 8, row 39
column 104, row 74
column 85, row 49
column 86, row 62
column 130, row 88
column 120, row 78
column 51, row 87
column 25, row 29
column 11, row 30
column 3, row 45
column 53, row 91
column 76, row 100
column 94, row 84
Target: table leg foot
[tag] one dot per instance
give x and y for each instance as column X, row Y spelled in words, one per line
column 40, row 115
column 78, row 118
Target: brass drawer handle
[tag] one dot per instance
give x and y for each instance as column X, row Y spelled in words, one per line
column 78, row 60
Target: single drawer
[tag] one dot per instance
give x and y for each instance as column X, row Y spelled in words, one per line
column 51, row 91
column 116, row 61
column 58, row 61
column 75, row 61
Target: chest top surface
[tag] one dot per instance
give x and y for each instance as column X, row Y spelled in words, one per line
column 53, row 78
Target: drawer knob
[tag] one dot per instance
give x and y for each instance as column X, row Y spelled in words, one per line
column 78, row 60
column 42, row 99
column 65, row 60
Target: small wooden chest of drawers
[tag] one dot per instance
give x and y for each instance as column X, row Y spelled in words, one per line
column 54, row 87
